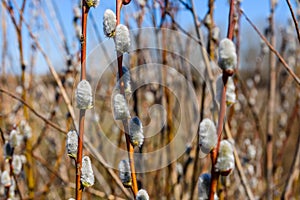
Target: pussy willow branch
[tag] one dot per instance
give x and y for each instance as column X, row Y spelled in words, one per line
column 69, row 106
column 215, row 152
column 130, row 148
column 294, row 19
column 85, row 10
column 281, row 59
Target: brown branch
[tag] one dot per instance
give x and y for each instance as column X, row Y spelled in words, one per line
column 294, row 19
column 239, row 166
column 281, row 59
column 195, row 167
column 293, row 174
column 271, row 107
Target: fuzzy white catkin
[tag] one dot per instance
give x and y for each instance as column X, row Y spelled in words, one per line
column 227, row 55
column 83, row 95
column 126, row 79
column 109, row 23
column 203, row 186
column 87, row 175
column 142, row 195
column 121, row 110
column 25, row 129
column 14, row 138
column 5, row 179
column 225, row 160
column 17, row 164
column 92, row 3
column 136, row 132
column 72, row 143
column 122, row 38
column 230, row 90
column 124, row 173
column 207, row 135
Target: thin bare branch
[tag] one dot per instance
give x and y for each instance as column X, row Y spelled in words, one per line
column 286, row 66
column 294, row 19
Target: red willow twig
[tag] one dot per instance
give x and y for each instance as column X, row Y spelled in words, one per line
column 130, row 148
column 214, row 153
column 85, row 10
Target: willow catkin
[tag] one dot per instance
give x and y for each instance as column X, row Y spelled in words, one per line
column 87, row 178
column 207, row 135
column 121, row 111
column 142, row 195
column 230, row 90
column 124, row 173
column 227, row 55
column 203, row 186
column 136, row 132
column 5, row 179
column 122, row 38
column 17, row 164
column 109, row 23
column 225, row 160
column 72, row 143
column 83, row 95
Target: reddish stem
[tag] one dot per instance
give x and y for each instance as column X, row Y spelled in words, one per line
column 85, row 11
column 215, row 151
column 130, row 149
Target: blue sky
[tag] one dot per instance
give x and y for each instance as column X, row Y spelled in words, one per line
column 257, row 10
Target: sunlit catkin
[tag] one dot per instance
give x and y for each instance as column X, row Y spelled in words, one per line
column 225, row 161
column 109, row 23
column 136, row 132
column 142, row 195
column 207, row 135
column 122, row 38
column 5, row 179
column 227, row 55
column 83, row 95
column 121, row 111
column 17, row 164
column 87, row 175
column 72, row 143
column 14, row 138
column 124, row 173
